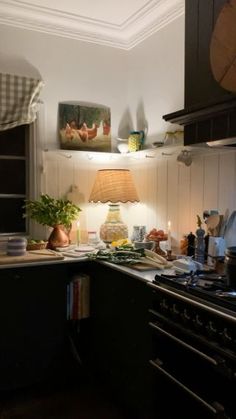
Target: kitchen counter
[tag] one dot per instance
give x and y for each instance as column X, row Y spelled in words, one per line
column 146, row 276
column 44, row 262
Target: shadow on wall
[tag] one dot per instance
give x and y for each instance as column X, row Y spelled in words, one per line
column 141, row 121
column 16, row 64
column 125, row 125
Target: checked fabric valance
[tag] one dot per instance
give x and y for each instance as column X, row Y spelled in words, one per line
column 19, row 99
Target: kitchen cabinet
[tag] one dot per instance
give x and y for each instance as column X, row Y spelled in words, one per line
column 120, row 338
column 114, row 343
column 200, row 86
column 32, row 323
column 210, row 111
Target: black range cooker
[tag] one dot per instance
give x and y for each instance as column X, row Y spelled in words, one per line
column 193, row 324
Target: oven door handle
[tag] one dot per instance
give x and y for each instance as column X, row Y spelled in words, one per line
column 216, row 408
column 185, row 345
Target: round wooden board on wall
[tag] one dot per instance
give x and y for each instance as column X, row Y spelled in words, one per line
column 223, row 47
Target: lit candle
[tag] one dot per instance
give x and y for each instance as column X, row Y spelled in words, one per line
column 77, row 233
column 169, row 236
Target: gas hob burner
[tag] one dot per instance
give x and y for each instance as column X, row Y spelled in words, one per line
column 207, row 286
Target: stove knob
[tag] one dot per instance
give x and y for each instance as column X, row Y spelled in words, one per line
column 226, row 335
column 186, row 315
column 198, row 321
column 175, row 309
column 164, row 305
column 212, row 330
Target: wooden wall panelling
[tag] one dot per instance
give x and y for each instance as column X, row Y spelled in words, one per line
column 167, row 190
column 52, row 176
column 84, row 176
column 65, row 173
column 227, row 181
column 211, row 182
column 137, row 213
column 183, row 200
column 82, row 181
column 152, row 201
column 162, row 194
column 173, row 199
column 197, row 177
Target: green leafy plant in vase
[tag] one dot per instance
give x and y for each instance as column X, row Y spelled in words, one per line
column 55, row 213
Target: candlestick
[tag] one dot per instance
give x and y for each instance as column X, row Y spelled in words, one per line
column 77, row 233
column 169, row 236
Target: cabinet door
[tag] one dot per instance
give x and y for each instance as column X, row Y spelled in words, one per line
column 120, row 337
column 32, row 322
column 200, row 85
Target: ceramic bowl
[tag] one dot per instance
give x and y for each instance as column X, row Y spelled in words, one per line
column 144, row 245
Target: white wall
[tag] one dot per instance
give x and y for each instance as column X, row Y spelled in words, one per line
column 156, row 80
column 139, row 86
column 71, row 70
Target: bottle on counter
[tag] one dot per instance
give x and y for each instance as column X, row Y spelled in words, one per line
column 191, row 244
column 200, row 242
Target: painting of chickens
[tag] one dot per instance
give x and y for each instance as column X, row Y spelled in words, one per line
column 84, row 126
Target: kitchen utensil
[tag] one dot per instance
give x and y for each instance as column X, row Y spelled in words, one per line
column 224, row 223
column 212, row 223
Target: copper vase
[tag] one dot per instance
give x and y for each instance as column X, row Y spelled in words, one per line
column 58, row 238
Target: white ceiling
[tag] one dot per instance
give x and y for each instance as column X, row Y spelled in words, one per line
column 117, row 23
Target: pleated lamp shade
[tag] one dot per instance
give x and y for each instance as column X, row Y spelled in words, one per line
column 113, row 186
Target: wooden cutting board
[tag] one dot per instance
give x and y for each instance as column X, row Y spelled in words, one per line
column 30, row 256
column 143, row 266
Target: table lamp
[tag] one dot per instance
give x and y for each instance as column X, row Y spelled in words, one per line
column 113, row 186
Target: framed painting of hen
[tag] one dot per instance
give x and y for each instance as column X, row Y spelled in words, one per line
column 84, row 126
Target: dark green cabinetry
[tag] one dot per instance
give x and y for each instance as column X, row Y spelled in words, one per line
column 114, row 343
column 32, row 322
column 120, row 337
column 209, row 110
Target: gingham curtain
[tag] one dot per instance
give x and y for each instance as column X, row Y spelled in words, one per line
column 19, row 99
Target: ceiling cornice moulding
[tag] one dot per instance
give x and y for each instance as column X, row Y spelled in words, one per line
column 150, row 18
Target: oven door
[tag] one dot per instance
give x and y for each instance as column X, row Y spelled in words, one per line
column 189, row 380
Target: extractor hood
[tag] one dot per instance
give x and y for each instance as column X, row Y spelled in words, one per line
column 209, row 115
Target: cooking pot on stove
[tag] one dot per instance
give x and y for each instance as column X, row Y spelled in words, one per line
column 230, row 266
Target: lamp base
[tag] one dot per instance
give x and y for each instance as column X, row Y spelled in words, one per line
column 113, row 229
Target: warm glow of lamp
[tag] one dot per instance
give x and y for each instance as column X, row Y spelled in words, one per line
column 113, row 186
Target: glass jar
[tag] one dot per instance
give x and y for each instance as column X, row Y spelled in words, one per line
column 135, row 237
column 92, row 238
